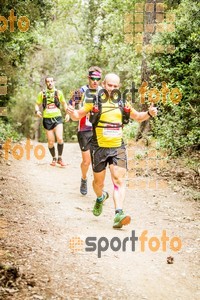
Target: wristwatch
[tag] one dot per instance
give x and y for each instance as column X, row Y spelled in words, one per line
column 36, row 111
column 149, row 114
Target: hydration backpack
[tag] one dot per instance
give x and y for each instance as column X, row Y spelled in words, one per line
column 96, row 113
column 56, row 99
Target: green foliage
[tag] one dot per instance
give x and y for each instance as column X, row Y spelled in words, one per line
column 178, row 127
column 21, row 110
column 8, row 132
column 70, row 131
column 104, row 38
column 15, row 51
column 16, row 45
column 130, row 130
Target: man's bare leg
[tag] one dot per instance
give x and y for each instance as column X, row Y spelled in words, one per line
column 98, row 184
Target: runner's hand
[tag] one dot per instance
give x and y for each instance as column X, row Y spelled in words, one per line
column 70, row 109
column 39, row 114
column 153, row 110
column 67, row 118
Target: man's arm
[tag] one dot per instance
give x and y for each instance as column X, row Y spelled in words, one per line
column 76, row 114
column 37, row 105
column 64, row 105
column 62, row 100
column 144, row 115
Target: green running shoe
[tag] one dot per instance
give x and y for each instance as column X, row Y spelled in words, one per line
column 98, row 207
column 121, row 219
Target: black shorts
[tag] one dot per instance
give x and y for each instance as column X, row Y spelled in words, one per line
column 102, row 156
column 51, row 123
column 84, row 139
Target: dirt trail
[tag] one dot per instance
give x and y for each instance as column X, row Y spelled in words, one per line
column 42, row 211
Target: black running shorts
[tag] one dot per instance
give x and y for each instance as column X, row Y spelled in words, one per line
column 84, row 139
column 102, row 156
column 51, row 123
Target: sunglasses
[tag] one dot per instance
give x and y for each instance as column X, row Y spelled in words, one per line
column 95, row 78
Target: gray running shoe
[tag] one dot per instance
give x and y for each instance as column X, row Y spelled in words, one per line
column 83, row 187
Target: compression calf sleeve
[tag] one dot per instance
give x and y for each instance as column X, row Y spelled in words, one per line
column 60, row 149
column 52, row 151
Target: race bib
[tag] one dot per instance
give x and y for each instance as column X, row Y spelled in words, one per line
column 51, row 108
column 112, row 131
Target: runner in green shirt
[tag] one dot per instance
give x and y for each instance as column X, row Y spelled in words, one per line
column 51, row 99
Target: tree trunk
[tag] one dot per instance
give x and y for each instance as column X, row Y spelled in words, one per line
column 149, row 31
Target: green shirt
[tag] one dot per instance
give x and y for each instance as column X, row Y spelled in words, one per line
column 51, row 110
